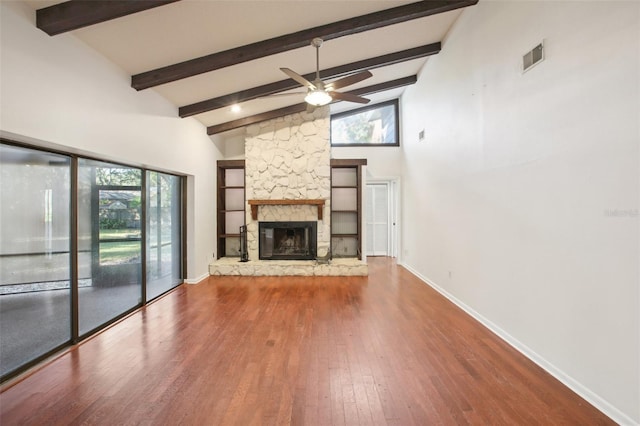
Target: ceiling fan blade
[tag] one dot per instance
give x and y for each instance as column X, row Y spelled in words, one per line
column 349, row 98
column 297, row 77
column 349, row 80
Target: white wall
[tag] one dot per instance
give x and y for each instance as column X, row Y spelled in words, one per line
column 523, row 199
column 58, row 92
column 382, row 161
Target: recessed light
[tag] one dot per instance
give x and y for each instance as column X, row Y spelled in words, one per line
column 235, row 108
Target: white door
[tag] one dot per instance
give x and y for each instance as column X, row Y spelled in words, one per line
column 377, row 213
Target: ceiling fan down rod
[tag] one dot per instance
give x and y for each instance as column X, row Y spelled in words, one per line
column 317, row 42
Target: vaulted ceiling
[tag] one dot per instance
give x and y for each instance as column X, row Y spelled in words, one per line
column 205, row 56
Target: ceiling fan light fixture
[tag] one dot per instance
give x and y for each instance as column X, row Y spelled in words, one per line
column 318, row 98
column 320, row 93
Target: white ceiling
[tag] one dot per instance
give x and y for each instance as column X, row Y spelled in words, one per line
column 189, row 29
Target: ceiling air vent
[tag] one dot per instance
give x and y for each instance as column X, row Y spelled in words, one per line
column 532, row 57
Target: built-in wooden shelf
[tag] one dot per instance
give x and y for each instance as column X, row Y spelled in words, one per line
column 351, row 193
column 230, row 183
column 256, row 203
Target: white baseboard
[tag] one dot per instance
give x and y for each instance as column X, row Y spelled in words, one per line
column 615, row 414
column 196, row 280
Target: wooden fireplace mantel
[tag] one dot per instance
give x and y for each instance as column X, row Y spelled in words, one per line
column 255, row 203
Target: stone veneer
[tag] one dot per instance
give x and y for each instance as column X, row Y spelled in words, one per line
column 289, row 158
column 337, row 267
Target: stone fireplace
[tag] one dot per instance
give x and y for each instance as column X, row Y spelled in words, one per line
column 287, row 160
column 288, row 182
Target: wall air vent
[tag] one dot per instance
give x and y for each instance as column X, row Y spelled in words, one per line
column 533, row 57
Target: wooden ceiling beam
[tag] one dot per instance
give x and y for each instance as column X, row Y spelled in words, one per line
column 295, row 40
column 293, row 109
column 287, row 84
column 74, row 14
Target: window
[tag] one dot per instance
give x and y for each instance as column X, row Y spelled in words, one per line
column 82, row 243
column 375, row 125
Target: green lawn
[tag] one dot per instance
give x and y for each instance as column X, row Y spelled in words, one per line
column 115, row 253
column 119, row 233
column 112, row 253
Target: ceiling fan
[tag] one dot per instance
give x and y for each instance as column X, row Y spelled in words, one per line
column 320, row 93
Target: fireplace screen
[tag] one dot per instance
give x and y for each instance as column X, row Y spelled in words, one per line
column 288, row 240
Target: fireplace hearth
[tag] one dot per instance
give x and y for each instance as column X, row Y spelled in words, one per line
column 287, row 240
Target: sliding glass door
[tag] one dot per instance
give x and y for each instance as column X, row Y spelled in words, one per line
column 109, row 233
column 35, row 274
column 164, row 226
column 82, row 243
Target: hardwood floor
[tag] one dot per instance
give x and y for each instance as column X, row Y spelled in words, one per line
column 383, row 350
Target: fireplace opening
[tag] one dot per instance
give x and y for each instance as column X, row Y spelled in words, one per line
column 287, row 240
